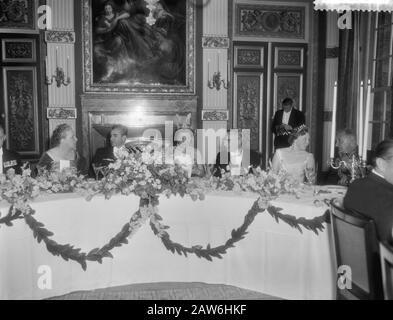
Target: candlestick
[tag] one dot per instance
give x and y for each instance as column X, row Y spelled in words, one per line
column 333, row 137
column 208, row 69
column 46, row 66
column 68, row 66
column 57, row 58
column 367, row 120
column 361, row 123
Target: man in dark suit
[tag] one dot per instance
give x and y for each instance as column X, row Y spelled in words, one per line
column 105, row 156
column 9, row 159
column 284, row 122
column 373, row 196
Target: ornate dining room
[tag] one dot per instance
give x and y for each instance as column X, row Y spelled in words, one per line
column 195, row 150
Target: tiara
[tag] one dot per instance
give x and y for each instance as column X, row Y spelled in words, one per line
column 299, row 130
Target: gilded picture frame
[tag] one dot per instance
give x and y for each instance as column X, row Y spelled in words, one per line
column 145, row 73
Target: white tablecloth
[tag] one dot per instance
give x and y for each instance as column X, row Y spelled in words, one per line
column 273, row 258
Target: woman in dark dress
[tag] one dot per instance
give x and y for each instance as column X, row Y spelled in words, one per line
column 63, row 154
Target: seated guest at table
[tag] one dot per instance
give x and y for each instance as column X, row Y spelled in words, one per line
column 346, row 150
column 186, row 155
column 118, row 149
column 8, row 159
column 295, row 160
column 373, row 196
column 63, row 154
column 284, row 122
column 236, row 161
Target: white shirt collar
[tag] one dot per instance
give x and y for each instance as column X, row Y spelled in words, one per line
column 378, row 174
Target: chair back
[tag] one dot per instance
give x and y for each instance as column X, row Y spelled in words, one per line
column 386, row 253
column 356, row 247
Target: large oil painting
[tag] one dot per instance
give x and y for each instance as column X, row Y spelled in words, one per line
column 139, row 46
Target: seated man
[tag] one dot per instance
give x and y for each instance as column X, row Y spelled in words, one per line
column 346, row 150
column 108, row 155
column 373, row 196
column 235, row 162
column 8, row 159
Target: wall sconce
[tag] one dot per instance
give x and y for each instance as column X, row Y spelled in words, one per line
column 216, row 81
column 59, row 77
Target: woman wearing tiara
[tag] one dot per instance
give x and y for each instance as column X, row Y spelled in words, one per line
column 295, row 160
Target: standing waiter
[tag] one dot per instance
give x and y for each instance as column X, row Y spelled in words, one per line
column 284, row 122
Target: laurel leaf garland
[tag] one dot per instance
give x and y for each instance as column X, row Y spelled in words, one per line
column 69, row 252
column 237, row 235
column 13, row 215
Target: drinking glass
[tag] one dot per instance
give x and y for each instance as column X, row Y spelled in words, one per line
column 310, row 176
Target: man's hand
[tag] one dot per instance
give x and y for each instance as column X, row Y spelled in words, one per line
column 287, row 127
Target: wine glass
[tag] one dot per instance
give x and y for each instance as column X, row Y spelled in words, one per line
column 97, row 171
column 310, row 175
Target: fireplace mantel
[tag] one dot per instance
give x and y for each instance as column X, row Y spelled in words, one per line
column 137, row 113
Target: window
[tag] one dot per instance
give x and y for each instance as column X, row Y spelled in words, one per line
column 382, row 65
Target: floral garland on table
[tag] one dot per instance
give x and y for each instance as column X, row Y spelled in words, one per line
column 269, row 185
column 145, row 176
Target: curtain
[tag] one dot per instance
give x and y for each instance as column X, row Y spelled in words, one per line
column 354, row 63
column 348, row 76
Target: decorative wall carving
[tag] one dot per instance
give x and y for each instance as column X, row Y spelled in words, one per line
column 248, row 103
column 61, row 113
column 60, row 36
column 288, row 85
column 18, row 50
column 270, row 21
column 16, row 14
column 21, row 109
column 249, row 57
column 215, row 115
column 289, row 57
column 215, row 42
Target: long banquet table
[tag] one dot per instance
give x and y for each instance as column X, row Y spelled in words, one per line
column 273, row 258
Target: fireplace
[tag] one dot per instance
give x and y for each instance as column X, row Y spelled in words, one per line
column 100, row 113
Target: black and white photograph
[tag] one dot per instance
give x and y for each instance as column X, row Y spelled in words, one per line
column 209, row 153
